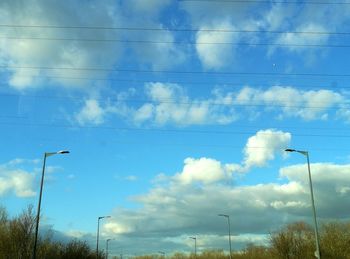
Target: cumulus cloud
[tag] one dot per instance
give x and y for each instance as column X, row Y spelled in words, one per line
column 37, row 48
column 178, row 193
column 204, row 170
column 299, row 42
column 292, row 102
column 263, row 146
column 170, row 104
column 28, row 52
column 214, row 55
column 176, row 210
column 18, row 181
column 187, row 202
column 91, row 113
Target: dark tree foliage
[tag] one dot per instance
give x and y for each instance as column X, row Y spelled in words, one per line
column 294, row 241
column 17, row 240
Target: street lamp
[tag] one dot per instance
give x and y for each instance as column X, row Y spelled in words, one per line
column 306, row 153
column 195, row 245
column 229, row 230
column 46, row 154
column 98, row 232
column 107, row 241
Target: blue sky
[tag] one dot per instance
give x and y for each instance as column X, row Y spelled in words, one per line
column 174, row 112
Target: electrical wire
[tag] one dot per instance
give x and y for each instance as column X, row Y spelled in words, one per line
column 179, row 42
column 197, row 102
column 216, row 30
column 167, row 130
column 101, row 69
column 203, row 83
column 267, row 2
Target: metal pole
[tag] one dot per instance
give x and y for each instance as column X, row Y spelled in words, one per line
column 98, row 233
column 39, row 206
column 195, row 247
column 317, row 253
column 317, row 239
column 229, row 234
column 229, row 230
column 107, row 248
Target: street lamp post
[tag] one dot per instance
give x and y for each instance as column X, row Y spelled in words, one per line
column 229, row 230
column 195, row 246
column 306, row 153
column 107, row 241
column 98, row 232
column 46, row 154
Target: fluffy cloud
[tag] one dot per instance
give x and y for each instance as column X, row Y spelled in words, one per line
column 212, row 54
column 204, row 170
column 55, row 53
column 263, row 146
column 18, row 181
column 171, row 105
column 175, row 211
column 292, row 102
column 91, row 112
column 182, row 200
column 76, row 53
column 298, row 42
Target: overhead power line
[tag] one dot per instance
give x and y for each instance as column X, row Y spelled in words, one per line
column 255, row 84
column 268, row 2
column 102, row 69
column 180, row 42
column 167, row 130
column 217, row 30
column 199, row 102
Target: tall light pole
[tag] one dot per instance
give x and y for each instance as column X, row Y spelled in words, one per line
column 98, row 232
column 46, row 154
column 107, row 241
column 195, row 246
column 229, row 230
column 317, row 239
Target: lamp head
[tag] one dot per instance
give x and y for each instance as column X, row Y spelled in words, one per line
column 63, row 152
column 305, row 153
column 290, row 150
column 56, row 153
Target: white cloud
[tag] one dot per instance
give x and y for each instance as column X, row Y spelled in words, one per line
column 295, row 39
column 176, row 209
column 215, row 56
column 117, row 228
column 18, row 181
column 204, row 170
column 171, row 105
column 263, row 146
column 91, row 112
column 77, row 53
column 187, row 203
column 292, row 102
column 51, row 53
